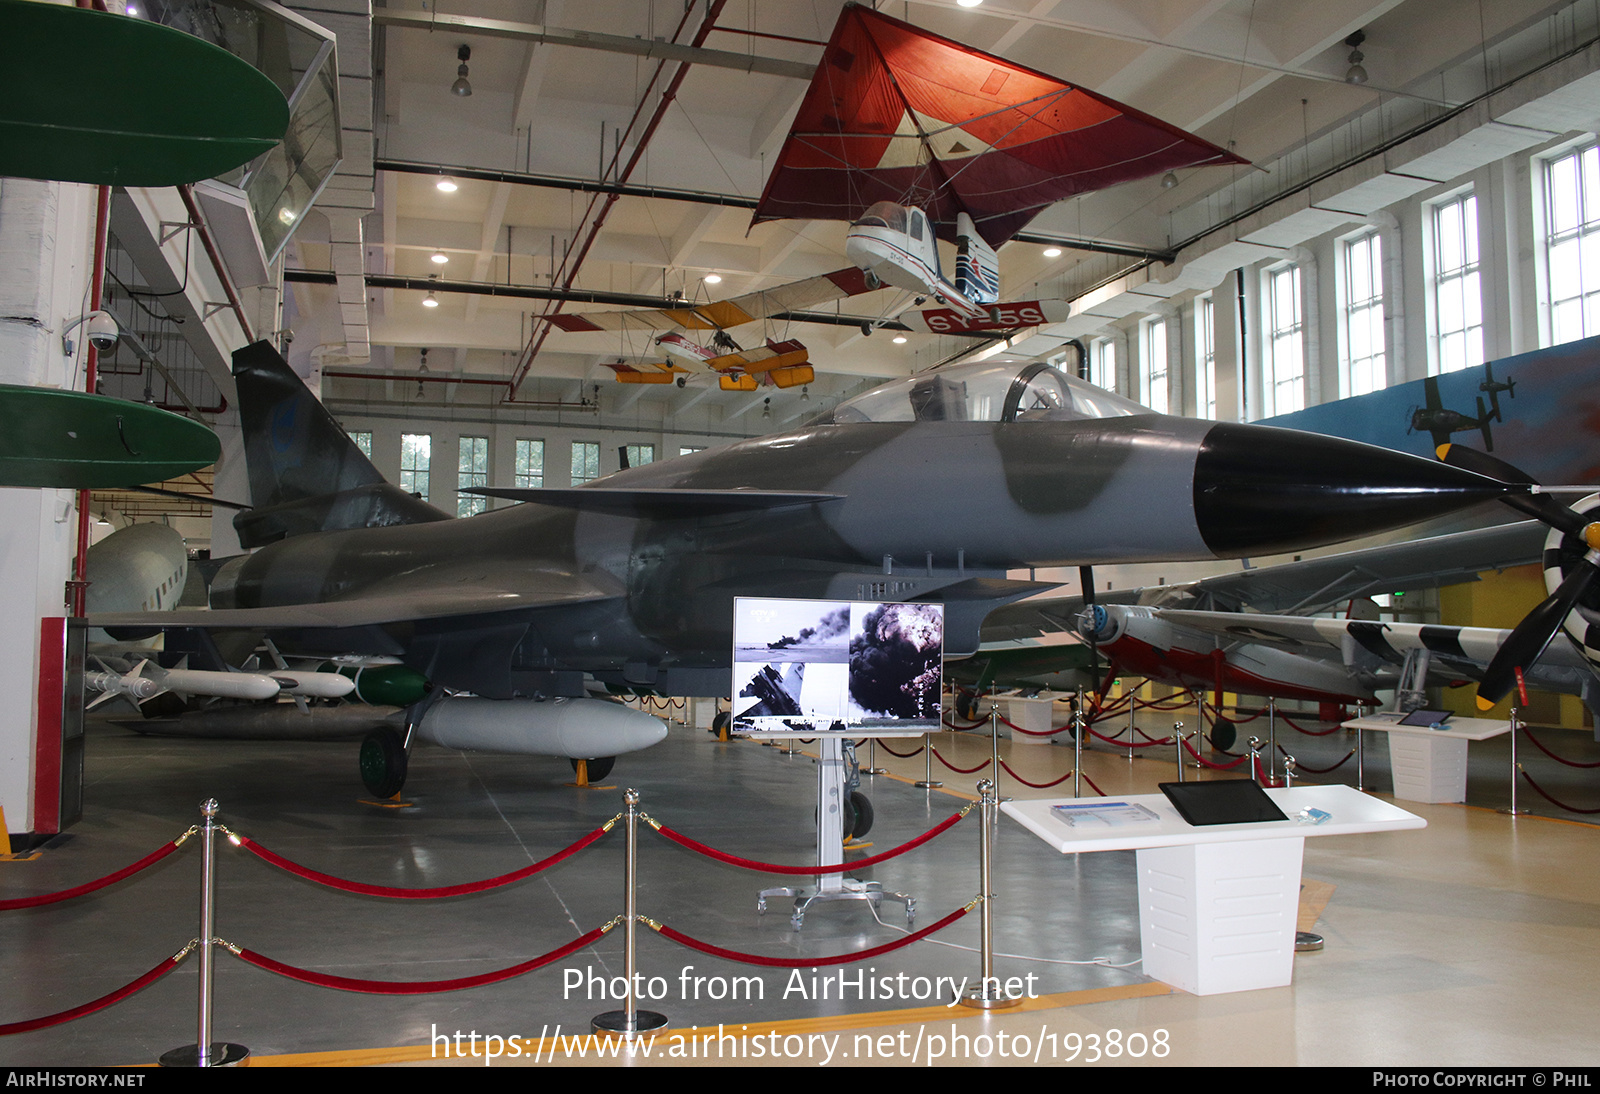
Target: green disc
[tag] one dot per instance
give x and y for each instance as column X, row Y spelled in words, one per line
column 77, row 441
column 87, row 96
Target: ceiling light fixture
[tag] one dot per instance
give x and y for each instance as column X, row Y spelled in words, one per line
column 447, row 186
column 766, row 407
column 1052, row 252
column 462, row 86
column 1169, row 180
column 899, row 339
column 968, row 3
column 713, row 279
column 430, row 301
column 1356, row 74
column 440, row 258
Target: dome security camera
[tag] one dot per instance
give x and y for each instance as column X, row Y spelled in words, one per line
column 100, row 326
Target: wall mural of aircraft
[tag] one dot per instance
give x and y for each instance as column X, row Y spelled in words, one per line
column 1440, row 422
column 628, row 582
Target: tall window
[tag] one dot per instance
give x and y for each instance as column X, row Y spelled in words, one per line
column 472, row 469
column 1205, row 357
column 1155, row 365
column 641, row 454
column 1103, row 364
column 363, row 439
column 585, row 461
column 1458, row 299
column 1365, row 368
column 1572, row 241
column 416, row 451
column 529, row 472
column 1285, row 378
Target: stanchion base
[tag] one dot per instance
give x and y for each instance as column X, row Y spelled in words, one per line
column 1509, row 812
column 978, row 999
column 222, row 1054
column 1307, row 942
column 874, row 770
column 924, row 785
column 616, row 1021
column 846, row 889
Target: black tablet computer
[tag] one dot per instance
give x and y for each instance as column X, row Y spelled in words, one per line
column 1222, row 801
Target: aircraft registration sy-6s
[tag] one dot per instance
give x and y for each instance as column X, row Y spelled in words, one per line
column 628, row 582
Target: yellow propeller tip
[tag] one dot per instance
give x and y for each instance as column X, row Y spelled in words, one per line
column 1485, row 704
column 1443, row 451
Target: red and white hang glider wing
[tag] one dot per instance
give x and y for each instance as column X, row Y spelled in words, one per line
column 722, row 314
column 895, row 113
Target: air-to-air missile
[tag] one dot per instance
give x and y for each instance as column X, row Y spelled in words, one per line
column 927, row 488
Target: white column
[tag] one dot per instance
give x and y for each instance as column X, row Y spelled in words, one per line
column 46, row 232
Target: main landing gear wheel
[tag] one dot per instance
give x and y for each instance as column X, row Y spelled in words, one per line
column 862, row 806
column 719, row 724
column 599, row 767
column 383, row 763
column 966, row 706
column 1223, row 734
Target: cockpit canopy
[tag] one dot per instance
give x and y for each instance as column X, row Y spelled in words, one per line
column 906, row 220
column 983, row 392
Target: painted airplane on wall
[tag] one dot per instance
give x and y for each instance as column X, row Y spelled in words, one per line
column 629, row 581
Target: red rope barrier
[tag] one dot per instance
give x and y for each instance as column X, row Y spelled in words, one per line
column 1552, row 801
column 1035, row 732
column 1290, row 722
column 804, row 962
column 1320, row 770
column 884, row 744
column 953, row 767
column 99, row 1004
column 1207, row 763
column 1552, row 755
column 1037, row 786
column 412, row 987
column 960, row 729
column 1093, row 787
column 417, row 894
column 776, row 868
column 90, row 886
column 1127, row 744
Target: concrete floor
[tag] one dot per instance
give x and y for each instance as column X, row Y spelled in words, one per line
column 1474, row 941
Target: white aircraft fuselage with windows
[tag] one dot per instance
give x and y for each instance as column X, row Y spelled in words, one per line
column 897, row 245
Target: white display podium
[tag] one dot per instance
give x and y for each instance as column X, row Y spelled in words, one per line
column 1032, row 715
column 1430, row 765
column 1218, row 903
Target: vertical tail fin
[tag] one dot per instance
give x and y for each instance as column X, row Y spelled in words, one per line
column 306, row 474
column 293, row 448
column 977, row 266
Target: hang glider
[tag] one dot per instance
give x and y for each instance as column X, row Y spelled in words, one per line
column 895, row 113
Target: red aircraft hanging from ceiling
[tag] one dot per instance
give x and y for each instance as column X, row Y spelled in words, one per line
column 977, row 144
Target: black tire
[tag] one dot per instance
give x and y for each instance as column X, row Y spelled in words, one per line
column 599, row 767
column 1224, row 735
column 862, row 807
column 383, row 763
column 964, row 706
column 719, row 724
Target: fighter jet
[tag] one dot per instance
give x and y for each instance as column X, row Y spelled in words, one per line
column 929, row 488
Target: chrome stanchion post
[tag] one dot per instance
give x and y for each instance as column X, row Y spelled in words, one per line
column 994, row 743
column 1516, row 724
column 987, row 995
column 1077, row 749
column 928, row 782
column 1177, row 742
column 204, row 1052
column 1288, row 772
column 872, row 757
column 629, row 1021
column 1256, row 770
column 1272, row 739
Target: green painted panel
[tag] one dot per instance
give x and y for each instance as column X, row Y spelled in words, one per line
column 86, row 96
column 69, row 439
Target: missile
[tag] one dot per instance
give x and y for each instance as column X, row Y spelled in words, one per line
column 146, row 681
column 575, row 728
column 314, row 685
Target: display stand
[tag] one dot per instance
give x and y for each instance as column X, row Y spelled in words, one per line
column 1033, row 716
column 1430, row 765
column 1217, row 904
column 831, row 799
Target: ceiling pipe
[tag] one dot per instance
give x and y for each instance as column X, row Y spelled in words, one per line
column 573, row 261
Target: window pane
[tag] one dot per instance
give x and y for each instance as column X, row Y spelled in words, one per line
column 416, row 453
column 529, row 473
column 585, row 461
column 472, row 470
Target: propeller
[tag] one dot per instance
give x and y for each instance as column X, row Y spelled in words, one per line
column 1533, row 635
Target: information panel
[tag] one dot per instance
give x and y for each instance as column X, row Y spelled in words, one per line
column 803, row 666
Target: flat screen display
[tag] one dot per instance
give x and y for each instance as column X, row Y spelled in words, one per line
column 808, row 666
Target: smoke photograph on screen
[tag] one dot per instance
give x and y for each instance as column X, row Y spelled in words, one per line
column 805, row 666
